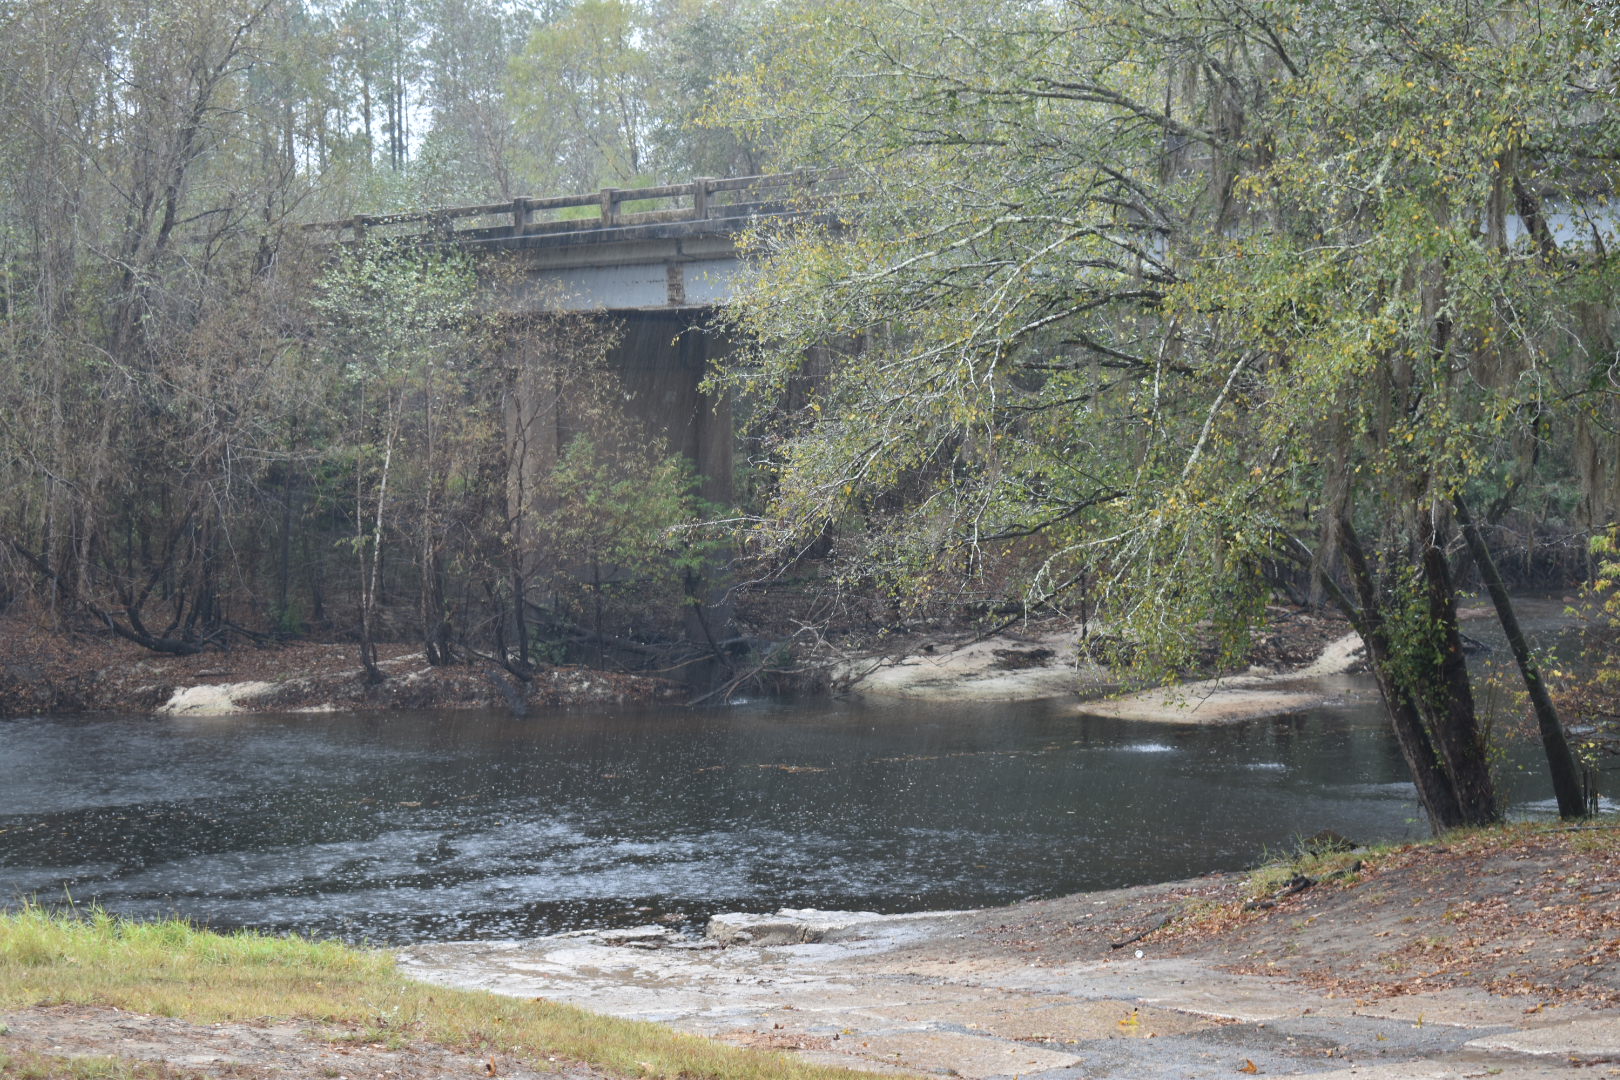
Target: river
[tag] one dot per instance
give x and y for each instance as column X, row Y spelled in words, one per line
column 431, row 827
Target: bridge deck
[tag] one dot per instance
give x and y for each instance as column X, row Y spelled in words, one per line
column 611, row 215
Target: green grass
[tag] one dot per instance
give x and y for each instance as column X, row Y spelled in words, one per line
column 1312, row 861
column 173, row 969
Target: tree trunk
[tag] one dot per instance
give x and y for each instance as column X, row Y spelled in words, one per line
column 371, row 581
column 1450, row 706
column 596, row 596
column 520, row 623
column 284, row 556
column 1566, row 777
column 1435, row 790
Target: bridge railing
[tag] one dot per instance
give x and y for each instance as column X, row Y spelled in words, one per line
column 708, row 199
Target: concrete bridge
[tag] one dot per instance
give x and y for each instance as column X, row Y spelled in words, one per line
column 666, row 248
column 658, row 261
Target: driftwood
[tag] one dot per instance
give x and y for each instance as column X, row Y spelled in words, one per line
column 1134, row 938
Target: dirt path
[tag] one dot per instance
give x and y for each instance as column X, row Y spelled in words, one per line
column 1468, row 960
column 41, row 1040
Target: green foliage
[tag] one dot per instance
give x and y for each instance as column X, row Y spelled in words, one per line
column 388, row 311
column 1604, row 731
column 1146, row 299
column 622, row 524
column 581, row 87
column 1416, row 643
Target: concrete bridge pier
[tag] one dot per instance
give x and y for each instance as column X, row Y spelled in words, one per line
column 655, row 368
column 661, row 358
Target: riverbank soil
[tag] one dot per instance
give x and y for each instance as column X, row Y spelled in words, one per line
column 1056, row 657
column 54, row 1042
column 1496, row 954
column 44, row 672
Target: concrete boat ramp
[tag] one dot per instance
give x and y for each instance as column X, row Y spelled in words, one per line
column 926, row 995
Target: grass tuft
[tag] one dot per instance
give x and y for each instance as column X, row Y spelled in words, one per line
column 1315, row 859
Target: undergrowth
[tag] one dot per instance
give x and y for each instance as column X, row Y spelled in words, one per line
column 1321, row 857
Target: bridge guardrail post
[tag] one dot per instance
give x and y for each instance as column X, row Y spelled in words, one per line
column 520, row 215
column 610, row 206
column 700, row 197
column 358, row 224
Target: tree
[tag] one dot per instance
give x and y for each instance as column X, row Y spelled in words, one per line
column 469, row 46
column 394, row 336
column 1172, row 298
column 144, row 190
column 614, row 526
column 581, row 87
column 186, row 435
column 704, row 45
column 602, row 538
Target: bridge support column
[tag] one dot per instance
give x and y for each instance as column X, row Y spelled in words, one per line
column 661, row 359
column 658, row 362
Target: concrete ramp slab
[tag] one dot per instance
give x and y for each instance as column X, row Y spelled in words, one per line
column 972, row 1056
column 1052, row 1020
column 1595, row 1037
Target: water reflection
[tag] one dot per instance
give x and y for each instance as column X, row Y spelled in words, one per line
column 411, row 827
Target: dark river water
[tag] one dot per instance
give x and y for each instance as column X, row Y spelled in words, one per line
column 421, row 827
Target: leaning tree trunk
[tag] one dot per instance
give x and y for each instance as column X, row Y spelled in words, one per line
column 1431, row 773
column 1561, row 765
column 1450, row 704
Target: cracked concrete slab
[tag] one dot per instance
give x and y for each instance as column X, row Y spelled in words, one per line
column 1591, row 1037
column 1030, row 1018
column 916, row 996
column 974, row 1056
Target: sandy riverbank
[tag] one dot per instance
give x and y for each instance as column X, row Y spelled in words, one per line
column 1253, row 695
column 1299, row 662
column 45, row 672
